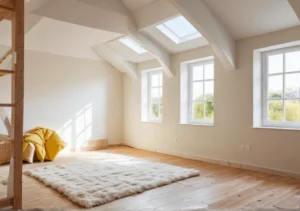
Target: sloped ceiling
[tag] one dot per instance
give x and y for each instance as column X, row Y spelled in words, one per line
column 244, row 18
column 60, row 38
column 134, row 5
column 47, row 31
column 106, row 15
column 57, row 37
column 295, row 4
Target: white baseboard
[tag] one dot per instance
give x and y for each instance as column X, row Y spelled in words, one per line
column 223, row 162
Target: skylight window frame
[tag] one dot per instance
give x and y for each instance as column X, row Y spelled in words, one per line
column 133, row 46
column 173, row 36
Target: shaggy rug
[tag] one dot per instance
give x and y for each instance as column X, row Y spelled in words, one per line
column 95, row 182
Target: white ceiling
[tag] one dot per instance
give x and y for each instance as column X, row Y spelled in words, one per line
column 134, row 5
column 242, row 18
column 246, row 18
column 61, row 38
column 66, row 39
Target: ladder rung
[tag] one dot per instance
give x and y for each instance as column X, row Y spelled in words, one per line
column 7, row 8
column 6, row 71
column 8, row 53
column 7, row 105
column 6, row 13
column 6, row 202
column 5, row 138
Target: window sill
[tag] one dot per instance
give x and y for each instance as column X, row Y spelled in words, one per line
column 198, row 124
column 277, row 128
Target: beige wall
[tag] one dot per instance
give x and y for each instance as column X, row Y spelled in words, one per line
column 270, row 148
column 61, row 91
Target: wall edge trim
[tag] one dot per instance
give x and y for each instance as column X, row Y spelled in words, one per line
column 223, row 162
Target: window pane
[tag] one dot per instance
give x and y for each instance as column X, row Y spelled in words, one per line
column 275, row 63
column 160, row 110
column 160, row 93
column 198, row 73
column 209, row 110
column 209, row 90
column 292, row 110
column 180, row 27
column 130, row 43
column 160, row 79
column 275, row 86
column 275, row 110
column 197, row 91
column 155, row 111
column 209, row 71
column 155, row 95
column 155, row 80
column 198, row 111
column 292, row 85
column 292, row 61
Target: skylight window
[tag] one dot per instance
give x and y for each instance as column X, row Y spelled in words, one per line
column 130, row 43
column 179, row 30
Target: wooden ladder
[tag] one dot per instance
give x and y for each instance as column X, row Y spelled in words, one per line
column 6, row 120
column 6, row 55
column 13, row 10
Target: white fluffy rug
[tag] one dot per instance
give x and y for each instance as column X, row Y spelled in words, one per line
column 95, row 182
column 203, row 209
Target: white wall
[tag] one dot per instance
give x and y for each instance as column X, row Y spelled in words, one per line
column 274, row 149
column 57, row 88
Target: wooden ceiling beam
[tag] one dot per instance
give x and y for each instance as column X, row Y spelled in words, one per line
column 155, row 50
column 220, row 40
column 116, row 60
column 120, row 21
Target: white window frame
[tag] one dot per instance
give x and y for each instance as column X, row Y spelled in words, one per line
column 146, row 95
column 133, row 45
column 265, row 100
column 186, row 92
column 172, row 35
column 150, row 74
column 191, row 101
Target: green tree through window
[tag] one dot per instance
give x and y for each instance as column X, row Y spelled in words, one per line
column 202, row 92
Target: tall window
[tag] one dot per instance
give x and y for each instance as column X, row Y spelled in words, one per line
column 197, row 92
column 281, row 87
column 155, row 95
column 152, row 92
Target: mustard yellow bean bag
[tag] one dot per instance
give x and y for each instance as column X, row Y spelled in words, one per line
column 47, row 143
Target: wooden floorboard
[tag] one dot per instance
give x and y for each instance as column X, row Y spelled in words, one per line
column 217, row 187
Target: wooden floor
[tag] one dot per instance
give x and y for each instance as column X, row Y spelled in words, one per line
column 217, row 187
